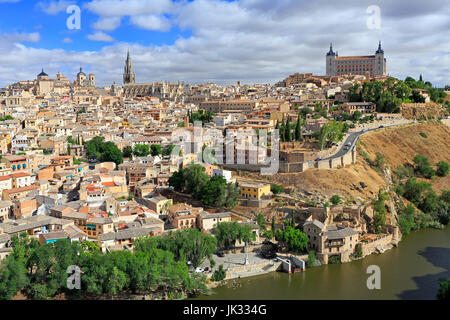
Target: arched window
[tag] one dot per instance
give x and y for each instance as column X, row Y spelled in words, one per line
column 14, row 167
column 18, row 166
column 24, row 166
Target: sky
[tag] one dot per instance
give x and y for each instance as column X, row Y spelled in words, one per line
column 198, row 41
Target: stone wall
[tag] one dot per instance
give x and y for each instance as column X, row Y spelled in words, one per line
column 370, row 247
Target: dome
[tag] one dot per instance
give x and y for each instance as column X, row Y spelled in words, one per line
column 42, row 74
column 81, row 72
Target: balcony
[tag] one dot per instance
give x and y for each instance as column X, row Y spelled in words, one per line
column 334, row 243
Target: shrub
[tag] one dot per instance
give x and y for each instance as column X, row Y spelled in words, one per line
column 334, row 259
column 335, row 200
column 311, row 262
column 219, row 274
column 423, row 134
column 276, row 189
column 423, row 166
column 442, row 168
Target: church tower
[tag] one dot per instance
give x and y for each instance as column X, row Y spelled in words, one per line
column 128, row 74
column 331, row 69
column 380, row 62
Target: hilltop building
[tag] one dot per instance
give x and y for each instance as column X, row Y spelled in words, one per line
column 374, row 65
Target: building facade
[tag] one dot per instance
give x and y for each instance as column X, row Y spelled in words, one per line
column 374, row 65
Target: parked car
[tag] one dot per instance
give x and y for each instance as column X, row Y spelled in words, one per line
column 220, row 254
column 348, row 144
column 318, row 159
column 381, row 126
column 199, row 270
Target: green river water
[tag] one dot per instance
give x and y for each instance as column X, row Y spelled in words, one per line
column 410, row 271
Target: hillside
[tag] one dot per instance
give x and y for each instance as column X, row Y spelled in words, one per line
column 398, row 145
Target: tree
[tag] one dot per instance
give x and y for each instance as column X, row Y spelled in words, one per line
column 227, row 233
column 298, row 129
column 329, row 133
column 141, row 150
column 219, row 274
column 294, row 239
column 406, row 219
column 276, row 188
column 444, row 290
column 417, row 97
column 97, row 148
column 311, row 262
column 156, row 150
column 176, row 180
column 413, row 190
column 356, row 115
column 111, row 153
column 213, row 192
column 168, row 150
column 335, row 200
column 261, row 221
column 379, row 160
column 287, row 132
column 423, row 166
column 127, row 152
column 380, row 211
column 442, row 168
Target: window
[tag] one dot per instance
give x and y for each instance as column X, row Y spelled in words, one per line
column 14, row 167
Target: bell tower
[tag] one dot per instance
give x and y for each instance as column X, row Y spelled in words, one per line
column 128, row 74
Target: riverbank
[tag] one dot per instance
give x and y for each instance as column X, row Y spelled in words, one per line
column 409, row 271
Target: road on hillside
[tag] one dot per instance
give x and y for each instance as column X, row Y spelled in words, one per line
column 352, row 138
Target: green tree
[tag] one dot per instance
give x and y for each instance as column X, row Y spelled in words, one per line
column 298, row 129
column 128, row 152
column 444, row 290
column 141, row 150
column 294, row 239
column 219, row 274
column 261, row 221
column 276, row 188
column 406, row 219
column 423, row 166
column 287, row 128
column 156, row 150
column 442, row 168
column 335, row 200
column 311, row 262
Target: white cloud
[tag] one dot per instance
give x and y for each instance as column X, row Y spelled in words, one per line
column 100, row 36
column 108, row 23
column 116, row 8
column 21, row 37
column 9, row 1
column 66, row 40
column 55, row 7
column 151, row 22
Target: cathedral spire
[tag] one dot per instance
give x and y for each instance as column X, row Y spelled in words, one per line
column 128, row 74
column 331, row 52
column 379, row 48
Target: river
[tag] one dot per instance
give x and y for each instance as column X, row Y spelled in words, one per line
column 410, row 271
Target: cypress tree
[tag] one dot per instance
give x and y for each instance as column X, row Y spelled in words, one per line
column 298, row 130
column 287, row 134
column 282, row 132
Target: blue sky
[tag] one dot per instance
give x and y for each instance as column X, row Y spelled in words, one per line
column 255, row 41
